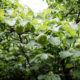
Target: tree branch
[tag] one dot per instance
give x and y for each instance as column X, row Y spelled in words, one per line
column 25, row 32
column 20, row 38
column 77, row 19
column 69, row 13
column 27, row 58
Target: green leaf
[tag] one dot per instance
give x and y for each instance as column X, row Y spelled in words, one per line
column 76, row 53
column 46, row 22
column 65, row 54
column 41, row 77
column 43, row 27
column 54, row 40
column 46, row 12
column 52, row 76
column 69, row 30
column 35, row 21
column 76, row 73
column 1, row 14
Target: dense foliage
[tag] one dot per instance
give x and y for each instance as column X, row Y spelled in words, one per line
column 45, row 46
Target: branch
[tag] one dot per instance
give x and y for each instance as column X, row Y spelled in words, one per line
column 77, row 19
column 12, row 30
column 27, row 58
column 63, row 64
column 20, row 38
column 69, row 13
column 30, row 33
column 68, row 69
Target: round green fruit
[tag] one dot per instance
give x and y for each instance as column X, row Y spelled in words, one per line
column 19, row 29
column 29, row 28
column 42, row 39
column 32, row 29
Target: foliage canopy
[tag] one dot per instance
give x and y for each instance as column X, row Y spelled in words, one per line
column 45, row 46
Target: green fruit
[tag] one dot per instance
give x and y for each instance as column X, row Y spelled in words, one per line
column 32, row 29
column 42, row 39
column 29, row 28
column 19, row 29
